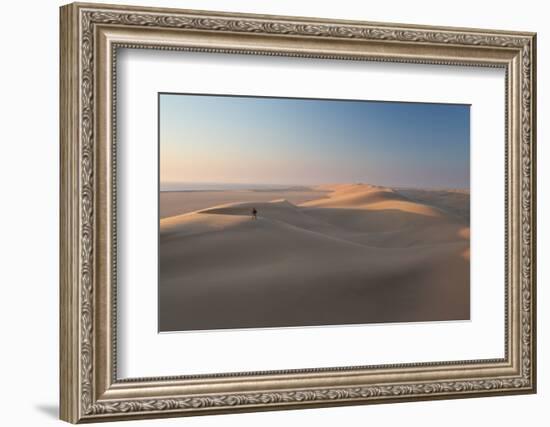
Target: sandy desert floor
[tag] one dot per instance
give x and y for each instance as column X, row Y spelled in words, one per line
column 329, row 255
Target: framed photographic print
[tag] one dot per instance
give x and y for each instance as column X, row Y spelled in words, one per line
column 265, row 212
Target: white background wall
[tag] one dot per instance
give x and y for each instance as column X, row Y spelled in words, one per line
column 29, row 170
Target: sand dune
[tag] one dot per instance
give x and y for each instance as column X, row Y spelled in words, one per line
column 179, row 202
column 371, row 198
column 356, row 254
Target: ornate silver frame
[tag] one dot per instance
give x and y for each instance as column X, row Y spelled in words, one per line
column 90, row 36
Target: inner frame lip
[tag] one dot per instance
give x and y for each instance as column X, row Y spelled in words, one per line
column 354, row 369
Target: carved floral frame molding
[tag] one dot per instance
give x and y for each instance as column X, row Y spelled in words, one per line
column 90, row 37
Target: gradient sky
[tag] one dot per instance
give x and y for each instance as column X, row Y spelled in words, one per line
column 251, row 140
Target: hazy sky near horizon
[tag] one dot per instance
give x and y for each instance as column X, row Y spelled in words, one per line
column 286, row 141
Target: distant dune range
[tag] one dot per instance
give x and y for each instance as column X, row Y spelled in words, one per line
column 340, row 254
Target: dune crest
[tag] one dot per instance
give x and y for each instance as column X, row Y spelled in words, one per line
column 245, row 208
column 194, row 222
column 363, row 196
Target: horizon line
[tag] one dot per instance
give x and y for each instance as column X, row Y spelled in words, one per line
column 290, row 185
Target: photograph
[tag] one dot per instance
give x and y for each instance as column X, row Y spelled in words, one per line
column 292, row 212
column 263, row 210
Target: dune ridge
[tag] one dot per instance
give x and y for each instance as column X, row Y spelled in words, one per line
column 357, row 254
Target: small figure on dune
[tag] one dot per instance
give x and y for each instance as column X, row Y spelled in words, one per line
column 254, row 213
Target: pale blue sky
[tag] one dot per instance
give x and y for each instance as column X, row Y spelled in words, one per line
column 252, row 140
